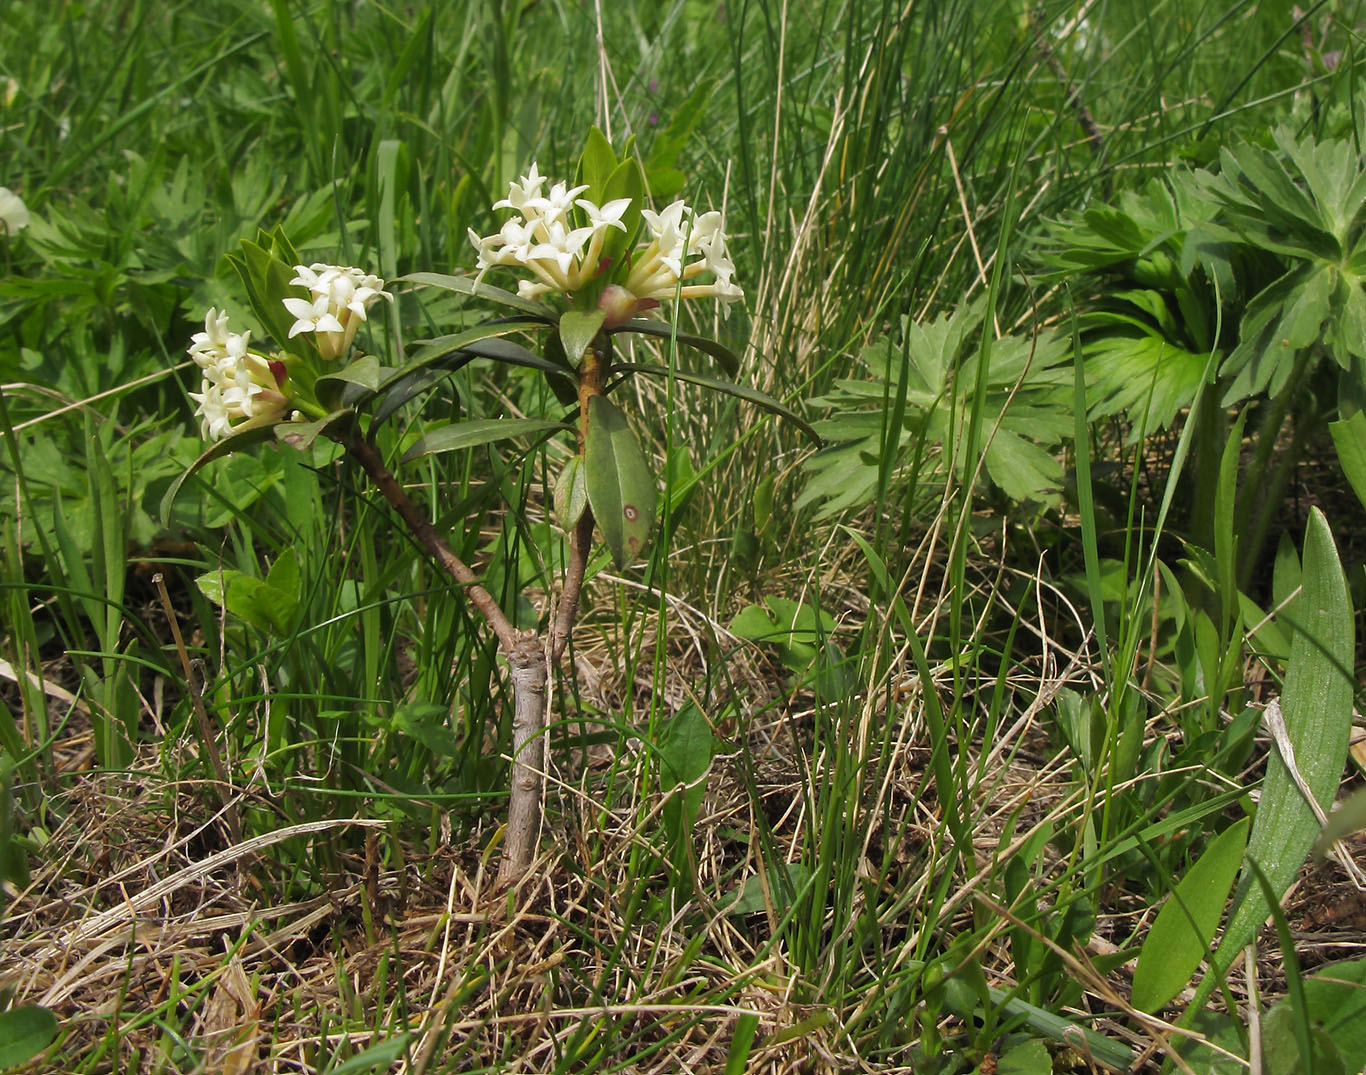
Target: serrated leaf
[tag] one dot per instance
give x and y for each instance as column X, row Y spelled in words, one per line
column 24, row 1033
column 429, row 724
column 571, row 493
column 1180, row 935
column 1317, row 706
column 621, row 488
column 470, row 434
column 578, row 328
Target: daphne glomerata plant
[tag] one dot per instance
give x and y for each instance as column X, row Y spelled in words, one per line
column 590, row 258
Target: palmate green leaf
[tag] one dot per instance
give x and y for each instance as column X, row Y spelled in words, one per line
column 621, row 488
column 660, row 330
column 1317, row 706
column 465, row 285
column 470, row 434
column 750, row 395
column 1142, row 375
column 1180, row 935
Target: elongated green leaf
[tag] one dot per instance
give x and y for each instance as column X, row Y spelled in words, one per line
column 466, row 286
column 235, row 443
column 24, row 1033
column 620, row 486
column 460, row 435
column 719, row 351
column 1317, row 707
column 1106, row 1050
column 1180, row 935
column 436, row 350
column 762, row 400
column 1349, row 437
column 301, row 435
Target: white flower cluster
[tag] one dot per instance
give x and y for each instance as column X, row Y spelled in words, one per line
column 340, row 298
column 678, row 234
column 540, row 237
column 238, row 383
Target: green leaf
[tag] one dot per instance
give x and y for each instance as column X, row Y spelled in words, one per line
column 268, row 607
column 571, row 493
column 621, row 489
column 685, row 751
column 350, row 385
column 1349, row 437
column 578, row 328
column 1316, row 703
column 1180, row 936
column 468, row 342
column 464, row 285
column 301, row 435
column 24, row 1033
column 380, row 1056
column 750, row 395
column 429, row 724
column 748, row 897
column 729, row 361
column 1028, row 1058
column 596, row 165
column 469, row 434
column 217, row 450
column 1335, row 1000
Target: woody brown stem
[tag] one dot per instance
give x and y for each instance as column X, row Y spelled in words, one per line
column 526, row 669
column 366, row 455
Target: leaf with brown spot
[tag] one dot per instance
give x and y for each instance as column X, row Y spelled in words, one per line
column 621, row 489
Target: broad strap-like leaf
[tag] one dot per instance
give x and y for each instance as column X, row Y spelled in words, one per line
column 1180, row 935
column 571, row 493
column 470, row 434
column 762, row 400
column 621, row 488
column 730, row 362
column 480, row 290
column 1316, row 704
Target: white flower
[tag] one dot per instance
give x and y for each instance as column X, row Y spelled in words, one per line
column 13, row 212
column 239, row 386
column 341, row 296
column 677, row 235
